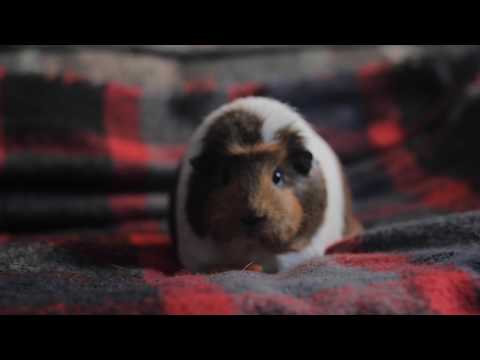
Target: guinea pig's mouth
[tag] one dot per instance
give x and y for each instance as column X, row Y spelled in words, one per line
column 279, row 248
column 273, row 245
column 261, row 239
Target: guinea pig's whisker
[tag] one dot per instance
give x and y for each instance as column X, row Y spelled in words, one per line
column 246, row 267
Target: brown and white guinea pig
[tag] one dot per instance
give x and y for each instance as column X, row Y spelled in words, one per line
column 259, row 186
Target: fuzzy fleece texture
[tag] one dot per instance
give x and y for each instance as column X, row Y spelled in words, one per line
column 85, row 171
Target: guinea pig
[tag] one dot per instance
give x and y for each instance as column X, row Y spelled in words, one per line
column 259, row 186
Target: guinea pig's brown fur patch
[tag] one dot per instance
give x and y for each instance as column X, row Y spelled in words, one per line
column 234, row 178
column 235, row 128
column 310, row 191
column 239, row 150
column 251, row 190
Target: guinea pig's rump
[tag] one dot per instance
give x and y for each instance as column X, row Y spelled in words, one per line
column 353, row 227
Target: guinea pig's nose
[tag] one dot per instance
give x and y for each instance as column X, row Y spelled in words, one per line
column 253, row 220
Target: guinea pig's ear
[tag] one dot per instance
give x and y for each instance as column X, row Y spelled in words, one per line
column 302, row 161
column 199, row 164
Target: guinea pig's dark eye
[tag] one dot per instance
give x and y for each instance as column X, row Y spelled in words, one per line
column 278, row 177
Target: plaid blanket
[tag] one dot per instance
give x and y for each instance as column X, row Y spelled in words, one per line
column 85, row 173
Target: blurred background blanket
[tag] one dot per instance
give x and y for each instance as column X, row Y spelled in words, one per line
column 86, row 167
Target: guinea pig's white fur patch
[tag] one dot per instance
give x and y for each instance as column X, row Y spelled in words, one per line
column 195, row 252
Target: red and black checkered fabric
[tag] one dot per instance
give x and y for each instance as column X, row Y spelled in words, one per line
column 84, row 173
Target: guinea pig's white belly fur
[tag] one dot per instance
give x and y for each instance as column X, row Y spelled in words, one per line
column 195, row 252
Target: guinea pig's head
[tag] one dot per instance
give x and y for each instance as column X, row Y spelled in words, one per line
column 253, row 194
